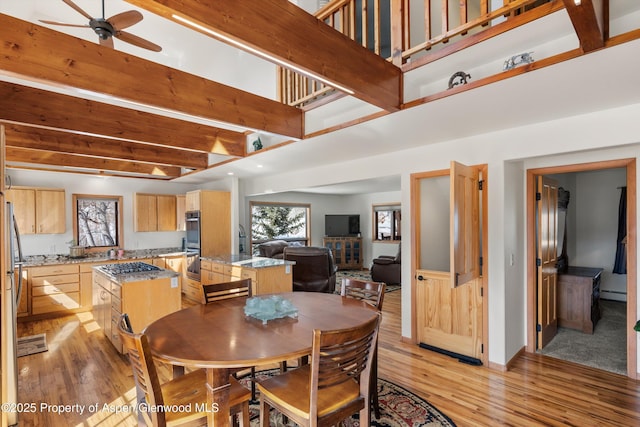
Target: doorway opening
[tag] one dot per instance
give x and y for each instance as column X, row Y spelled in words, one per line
column 589, row 243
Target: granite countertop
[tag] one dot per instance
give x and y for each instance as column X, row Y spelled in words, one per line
column 248, row 261
column 39, row 260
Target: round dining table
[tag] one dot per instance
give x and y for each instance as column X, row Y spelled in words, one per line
column 220, row 337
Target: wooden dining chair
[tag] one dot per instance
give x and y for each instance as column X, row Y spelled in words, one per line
column 337, row 380
column 189, row 390
column 225, row 290
column 372, row 293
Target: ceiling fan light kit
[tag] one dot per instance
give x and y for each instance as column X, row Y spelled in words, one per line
column 107, row 28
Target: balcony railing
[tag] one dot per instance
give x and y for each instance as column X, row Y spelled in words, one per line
column 401, row 31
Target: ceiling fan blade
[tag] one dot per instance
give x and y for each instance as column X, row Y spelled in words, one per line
column 63, row 24
column 108, row 42
column 125, row 19
column 137, row 41
column 78, row 9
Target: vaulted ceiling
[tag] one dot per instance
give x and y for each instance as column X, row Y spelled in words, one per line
column 69, row 103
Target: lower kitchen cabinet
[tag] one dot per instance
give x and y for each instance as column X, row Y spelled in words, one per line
column 54, row 288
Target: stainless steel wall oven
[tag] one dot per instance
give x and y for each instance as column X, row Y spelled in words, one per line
column 192, row 243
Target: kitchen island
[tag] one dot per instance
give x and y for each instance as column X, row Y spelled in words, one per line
column 268, row 275
column 144, row 291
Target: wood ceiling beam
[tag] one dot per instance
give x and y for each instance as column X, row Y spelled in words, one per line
column 39, row 53
column 24, row 155
column 585, row 22
column 64, row 142
column 23, row 104
column 286, row 32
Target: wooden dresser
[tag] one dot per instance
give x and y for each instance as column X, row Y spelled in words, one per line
column 579, row 298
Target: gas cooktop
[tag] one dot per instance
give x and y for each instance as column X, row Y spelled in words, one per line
column 128, row 267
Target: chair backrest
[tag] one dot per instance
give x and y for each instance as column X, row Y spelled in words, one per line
column 144, row 371
column 225, row 290
column 371, row 292
column 342, row 355
column 314, row 269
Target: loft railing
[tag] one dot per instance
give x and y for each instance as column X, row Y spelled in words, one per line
column 400, row 31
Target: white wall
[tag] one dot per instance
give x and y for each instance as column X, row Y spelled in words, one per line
column 322, row 205
column 609, row 134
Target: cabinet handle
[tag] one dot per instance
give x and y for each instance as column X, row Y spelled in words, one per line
column 420, row 277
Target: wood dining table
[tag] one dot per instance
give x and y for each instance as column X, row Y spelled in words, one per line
column 219, row 337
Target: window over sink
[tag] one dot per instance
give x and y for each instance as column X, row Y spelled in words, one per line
column 97, row 221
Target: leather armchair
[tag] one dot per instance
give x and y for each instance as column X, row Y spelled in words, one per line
column 386, row 269
column 315, row 269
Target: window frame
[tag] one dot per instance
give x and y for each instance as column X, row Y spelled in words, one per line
column 306, row 240
column 395, row 209
column 119, row 220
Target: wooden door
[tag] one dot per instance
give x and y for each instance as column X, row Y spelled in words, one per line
column 464, row 224
column 547, row 254
column 449, row 289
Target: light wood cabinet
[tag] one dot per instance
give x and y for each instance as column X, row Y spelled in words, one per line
column 215, row 220
column 54, row 288
column 347, row 251
column 264, row 280
column 155, row 212
column 38, row 210
column 181, row 209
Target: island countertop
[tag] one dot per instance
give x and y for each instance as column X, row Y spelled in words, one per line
column 248, row 261
column 136, row 276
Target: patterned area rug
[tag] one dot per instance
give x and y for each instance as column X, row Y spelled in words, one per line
column 398, row 408
column 360, row 275
column 32, row 344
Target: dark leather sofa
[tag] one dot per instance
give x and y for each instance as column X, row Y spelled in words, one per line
column 272, row 249
column 315, row 269
column 386, row 269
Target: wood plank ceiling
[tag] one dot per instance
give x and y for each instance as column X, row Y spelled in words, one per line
column 54, row 129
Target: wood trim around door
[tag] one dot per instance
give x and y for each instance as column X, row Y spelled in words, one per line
column 632, row 290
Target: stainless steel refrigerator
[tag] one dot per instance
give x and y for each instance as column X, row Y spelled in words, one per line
column 11, row 296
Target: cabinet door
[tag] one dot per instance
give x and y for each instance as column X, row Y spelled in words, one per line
column 24, row 208
column 50, row 211
column 146, row 212
column 181, row 209
column 193, row 201
column 166, row 212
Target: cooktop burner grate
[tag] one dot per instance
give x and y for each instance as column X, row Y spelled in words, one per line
column 128, row 267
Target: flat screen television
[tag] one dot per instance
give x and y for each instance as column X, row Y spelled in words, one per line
column 341, row 225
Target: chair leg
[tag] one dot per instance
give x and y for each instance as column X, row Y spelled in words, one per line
column 244, row 417
column 373, row 384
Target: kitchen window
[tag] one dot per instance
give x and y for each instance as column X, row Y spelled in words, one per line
column 97, row 221
column 386, row 222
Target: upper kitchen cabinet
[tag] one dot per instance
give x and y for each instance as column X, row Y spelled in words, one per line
column 215, row 220
column 39, row 210
column 155, row 212
column 181, row 208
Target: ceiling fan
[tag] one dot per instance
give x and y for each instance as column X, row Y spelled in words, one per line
column 108, row 28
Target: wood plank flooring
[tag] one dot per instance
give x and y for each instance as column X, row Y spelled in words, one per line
column 81, row 368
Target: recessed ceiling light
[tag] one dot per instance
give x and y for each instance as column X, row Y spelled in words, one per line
column 229, row 173
column 577, row 2
column 259, row 166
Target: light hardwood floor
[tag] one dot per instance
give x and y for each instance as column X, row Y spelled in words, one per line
column 82, row 368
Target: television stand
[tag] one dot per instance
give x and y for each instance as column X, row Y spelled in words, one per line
column 347, row 251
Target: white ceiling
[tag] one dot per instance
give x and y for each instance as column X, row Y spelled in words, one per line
column 600, row 80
